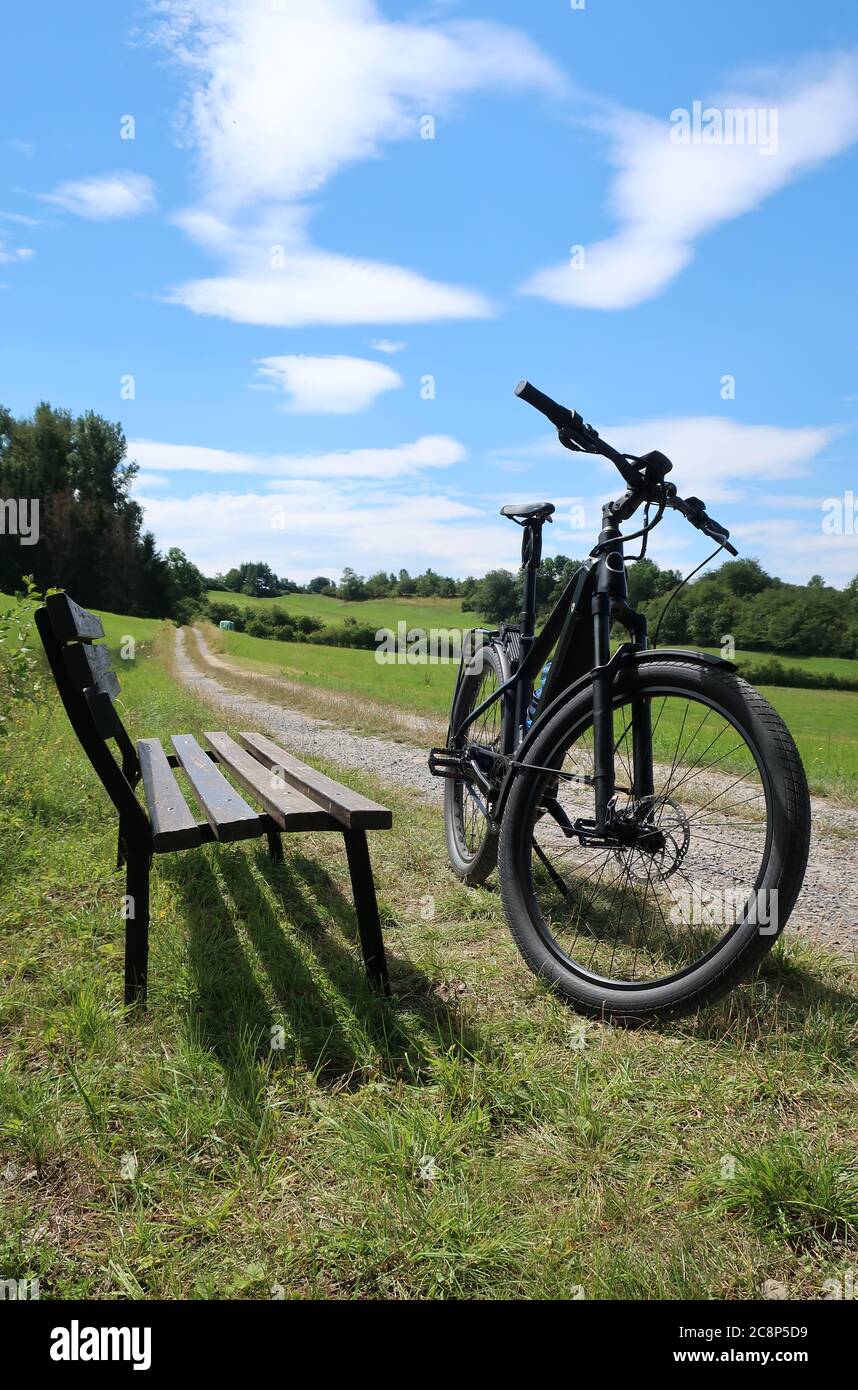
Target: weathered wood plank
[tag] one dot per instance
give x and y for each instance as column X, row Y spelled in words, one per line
column 227, row 813
column 70, row 622
column 287, row 806
column 90, row 666
column 348, row 807
column 174, row 826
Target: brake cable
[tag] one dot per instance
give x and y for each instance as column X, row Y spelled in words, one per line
column 681, row 585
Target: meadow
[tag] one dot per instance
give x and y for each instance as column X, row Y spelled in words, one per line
column 447, row 613
column 471, row 1138
column 382, row 612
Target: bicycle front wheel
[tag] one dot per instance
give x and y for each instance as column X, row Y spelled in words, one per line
column 695, row 882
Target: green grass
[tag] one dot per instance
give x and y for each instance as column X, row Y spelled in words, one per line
column 424, row 689
column 819, row 665
column 471, row 1139
column 383, row 612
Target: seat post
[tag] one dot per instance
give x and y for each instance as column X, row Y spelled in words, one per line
column 531, row 558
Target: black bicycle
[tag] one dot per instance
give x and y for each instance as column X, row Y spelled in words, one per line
column 647, row 809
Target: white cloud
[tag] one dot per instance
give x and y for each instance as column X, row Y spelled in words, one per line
column 219, row 529
column 143, row 481
column 21, row 218
column 315, row 287
column 284, row 96
column 719, row 457
column 794, row 550
column 387, row 345
column 404, row 460
column 329, row 385
column 9, row 254
column 666, row 195
column 105, row 197
column 711, row 455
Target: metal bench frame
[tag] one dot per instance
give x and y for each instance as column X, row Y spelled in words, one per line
column 293, row 795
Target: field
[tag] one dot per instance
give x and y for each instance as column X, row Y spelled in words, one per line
column 471, row 1139
column 824, row 723
column 447, row 613
column 383, row 612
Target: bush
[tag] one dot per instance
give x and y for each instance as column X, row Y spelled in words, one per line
column 20, row 676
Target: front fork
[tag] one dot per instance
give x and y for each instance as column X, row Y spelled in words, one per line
column 604, row 781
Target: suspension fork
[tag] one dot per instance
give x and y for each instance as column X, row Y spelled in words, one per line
column 603, row 713
column 611, row 599
column 642, row 749
column 643, row 786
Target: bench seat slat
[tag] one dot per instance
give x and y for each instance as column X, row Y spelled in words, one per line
column 174, row 825
column 227, row 813
column 350, row 808
column 288, row 807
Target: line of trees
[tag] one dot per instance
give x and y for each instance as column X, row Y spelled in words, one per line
column 258, row 580
column 86, row 531
column 739, row 599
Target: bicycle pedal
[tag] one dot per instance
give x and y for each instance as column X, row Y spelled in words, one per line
column 444, row 762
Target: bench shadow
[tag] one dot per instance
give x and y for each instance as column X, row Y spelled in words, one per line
column 301, row 931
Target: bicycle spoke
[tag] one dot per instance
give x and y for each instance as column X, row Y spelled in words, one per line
column 632, row 912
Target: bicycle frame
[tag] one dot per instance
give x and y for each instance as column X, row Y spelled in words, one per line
column 598, row 592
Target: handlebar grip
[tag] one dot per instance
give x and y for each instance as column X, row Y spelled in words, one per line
column 560, row 416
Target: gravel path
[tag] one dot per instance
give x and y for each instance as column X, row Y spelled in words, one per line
column 827, row 909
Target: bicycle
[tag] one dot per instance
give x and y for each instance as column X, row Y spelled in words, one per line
column 647, row 809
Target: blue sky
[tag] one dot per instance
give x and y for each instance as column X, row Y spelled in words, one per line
column 322, row 314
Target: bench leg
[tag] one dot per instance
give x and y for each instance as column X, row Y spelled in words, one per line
column 366, row 907
column 275, row 846
column 136, row 924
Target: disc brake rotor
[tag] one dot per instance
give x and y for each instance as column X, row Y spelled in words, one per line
column 670, row 835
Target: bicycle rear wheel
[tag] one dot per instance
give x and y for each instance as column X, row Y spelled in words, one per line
column 696, row 882
column 472, row 841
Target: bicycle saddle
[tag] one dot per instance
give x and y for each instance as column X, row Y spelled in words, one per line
column 528, row 511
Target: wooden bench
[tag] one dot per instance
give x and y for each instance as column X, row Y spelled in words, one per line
column 293, row 796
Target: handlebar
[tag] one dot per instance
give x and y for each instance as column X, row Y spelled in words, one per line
column 644, row 475
column 695, row 511
column 561, row 417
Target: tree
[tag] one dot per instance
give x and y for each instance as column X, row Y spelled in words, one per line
column 90, row 530
column 496, row 596
column 186, row 581
column 256, row 579
column 319, row 584
column 648, row 580
column 742, row 577
column 351, row 586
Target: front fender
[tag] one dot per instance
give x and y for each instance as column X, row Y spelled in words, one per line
column 622, row 657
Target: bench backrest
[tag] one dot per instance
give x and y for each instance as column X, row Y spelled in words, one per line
column 88, row 687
